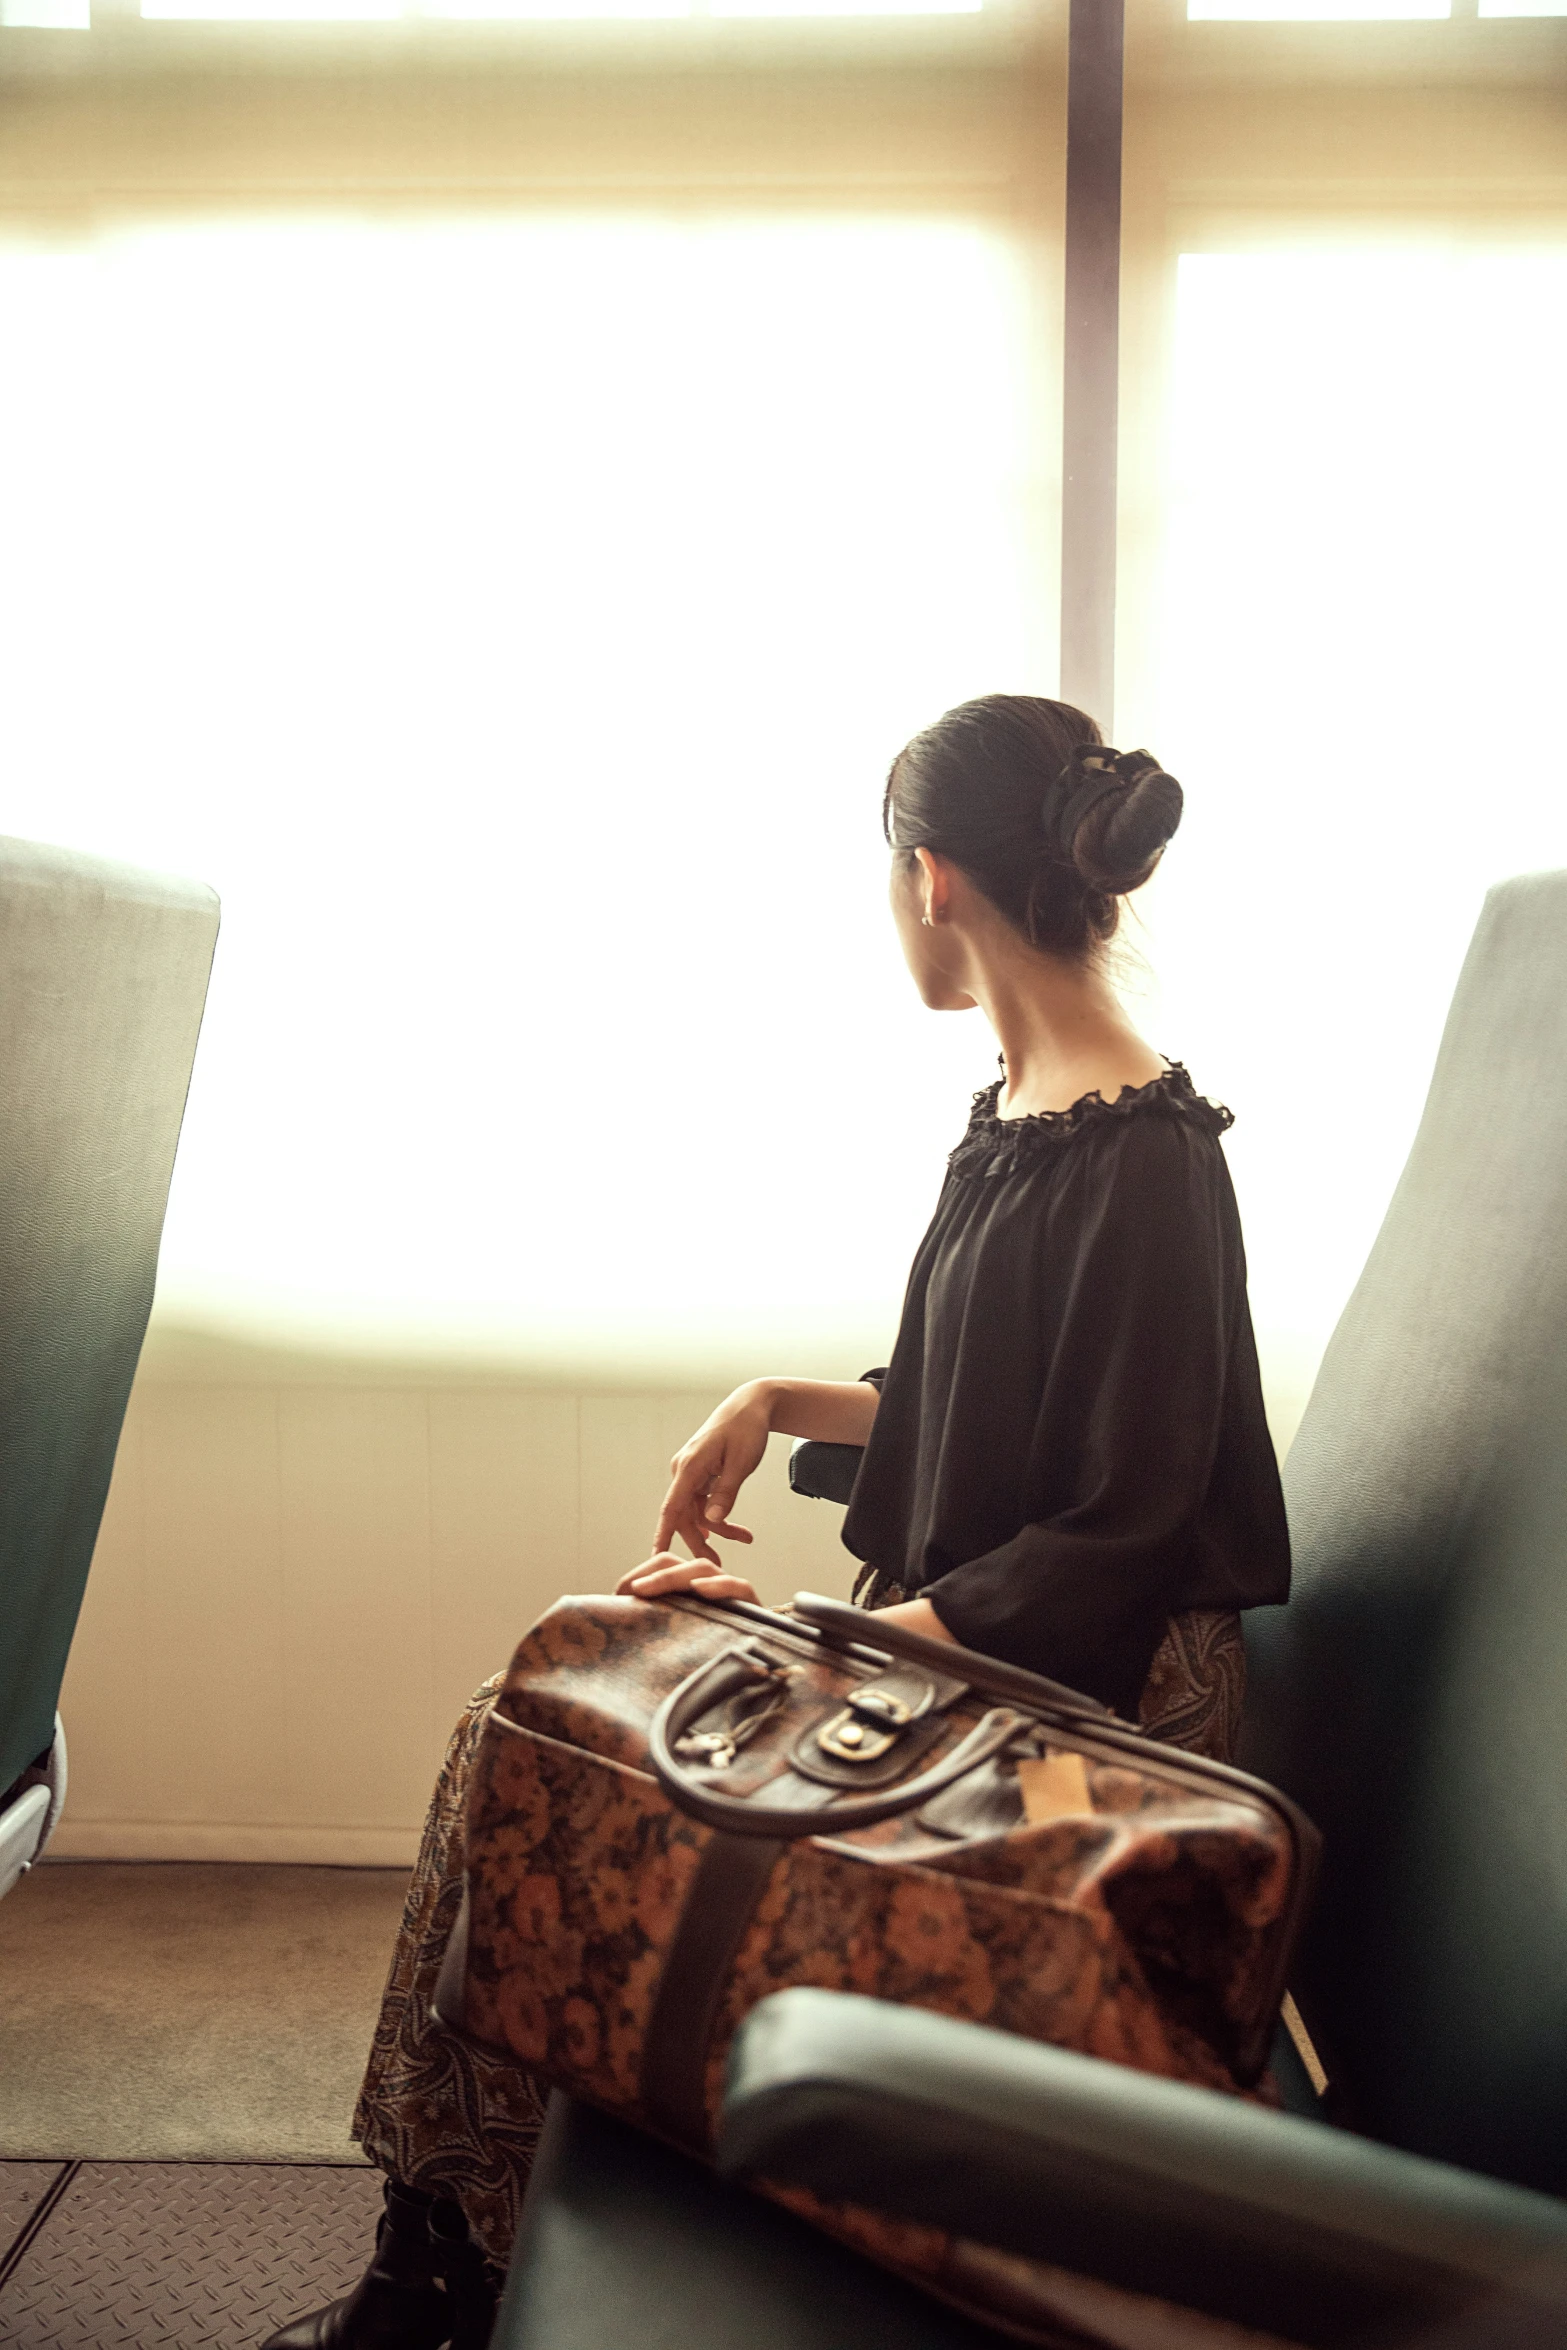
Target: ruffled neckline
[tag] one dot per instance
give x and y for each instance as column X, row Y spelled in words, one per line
column 995, row 1144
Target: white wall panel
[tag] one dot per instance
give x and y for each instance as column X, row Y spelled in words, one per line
column 505, row 1535
column 627, row 1444
column 297, row 1587
column 357, row 1605
column 215, row 1630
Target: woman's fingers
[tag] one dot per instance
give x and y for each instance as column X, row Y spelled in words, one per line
column 660, row 1559
column 714, row 1506
column 726, row 1531
column 664, row 1573
column 687, row 1519
column 694, row 1535
column 705, row 1478
column 698, row 1536
column 707, row 1516
column 667, row 1528
column 691, row 1474
column 695, row 1516
column 724, row 1587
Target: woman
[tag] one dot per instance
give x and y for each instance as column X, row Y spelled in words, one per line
column 1066, row 1461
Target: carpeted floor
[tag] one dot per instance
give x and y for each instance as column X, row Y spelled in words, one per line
column 189, row 2012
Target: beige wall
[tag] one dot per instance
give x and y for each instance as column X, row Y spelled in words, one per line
column 297, row 1586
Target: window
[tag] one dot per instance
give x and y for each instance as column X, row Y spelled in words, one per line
column 1364, row 618
column 1361, row 11
column 59, row 16
column 345, row 11
column 514, row 619
column 1312, row 11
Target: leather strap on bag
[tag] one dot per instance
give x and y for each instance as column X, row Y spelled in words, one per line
column 730, row 1879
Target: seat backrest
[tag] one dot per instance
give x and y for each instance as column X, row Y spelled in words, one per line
column 103, row 978
column 1413, row 1694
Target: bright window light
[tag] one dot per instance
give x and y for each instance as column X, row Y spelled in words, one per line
column 271, row 11
column 1363, row 639
column 512, row 11
column 553, row 10
column 845, row 7
column 515, row 621
column 1312, row 11
column 59, row 16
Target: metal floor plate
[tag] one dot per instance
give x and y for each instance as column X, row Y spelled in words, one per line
column 22, row 2184
column 182, row 2255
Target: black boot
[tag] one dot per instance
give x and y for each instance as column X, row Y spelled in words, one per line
column 472, row 2286
column 403, row 2301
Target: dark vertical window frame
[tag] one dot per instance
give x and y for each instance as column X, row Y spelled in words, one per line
column 1091, row 354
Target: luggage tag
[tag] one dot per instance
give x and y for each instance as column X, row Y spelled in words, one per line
column 1053, row 1787
column 1008, row 1794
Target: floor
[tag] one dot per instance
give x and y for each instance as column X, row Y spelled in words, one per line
column 174, row 2256
column 180, row 2046
column 208, row 2012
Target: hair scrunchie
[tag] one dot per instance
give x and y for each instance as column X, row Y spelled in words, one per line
column 1091, row 774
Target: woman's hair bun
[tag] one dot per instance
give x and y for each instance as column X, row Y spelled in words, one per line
column 1115, row 812
column 1050, row 823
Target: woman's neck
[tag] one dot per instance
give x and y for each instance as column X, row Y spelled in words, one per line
column 1062, row 1034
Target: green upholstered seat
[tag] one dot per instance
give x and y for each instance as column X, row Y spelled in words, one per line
column 1413, row 1694
column 626, row 2243
column 103, row 978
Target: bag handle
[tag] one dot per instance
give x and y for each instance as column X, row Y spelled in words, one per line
column 739, row 1668
column 842, row 1625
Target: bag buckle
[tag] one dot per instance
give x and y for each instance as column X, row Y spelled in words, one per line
column 876, row 1715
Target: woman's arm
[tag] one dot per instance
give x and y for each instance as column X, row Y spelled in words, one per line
column 915, row 1615
column 828, row 1411
column 706, row 1474
column 1145, row 1248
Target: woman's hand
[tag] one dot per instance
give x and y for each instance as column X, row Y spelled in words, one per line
column 706, row 1475
column 665, row 1572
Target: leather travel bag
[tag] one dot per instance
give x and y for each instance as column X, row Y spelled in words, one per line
column 679, row 1807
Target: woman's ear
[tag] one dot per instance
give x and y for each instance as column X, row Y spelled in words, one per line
column 935, row 887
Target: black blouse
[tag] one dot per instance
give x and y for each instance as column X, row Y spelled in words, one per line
column 1070, row 1445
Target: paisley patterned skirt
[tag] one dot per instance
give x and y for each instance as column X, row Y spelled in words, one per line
column 438, row 2114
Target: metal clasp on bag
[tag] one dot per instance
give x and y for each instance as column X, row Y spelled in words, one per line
column 875, row 1717
column 739, row 1717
